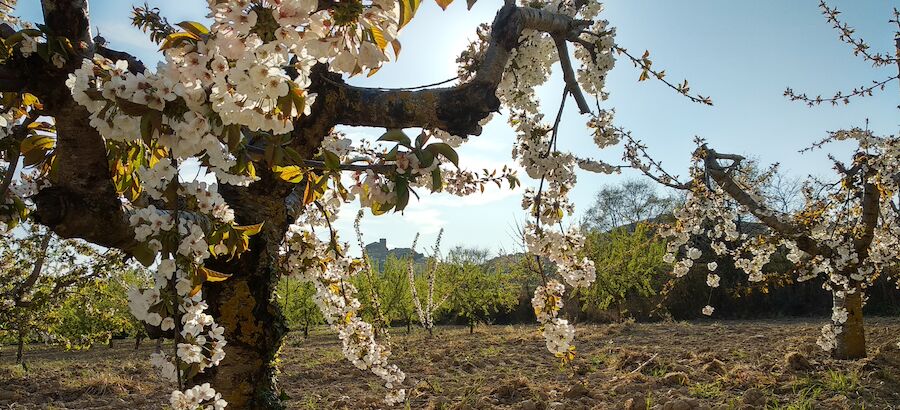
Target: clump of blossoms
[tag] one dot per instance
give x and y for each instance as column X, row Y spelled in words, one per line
column 325, row 265
column 535, row 150
column 175, row 302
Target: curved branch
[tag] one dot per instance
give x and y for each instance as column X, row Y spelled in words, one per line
column 765, row 214
column 458, row 109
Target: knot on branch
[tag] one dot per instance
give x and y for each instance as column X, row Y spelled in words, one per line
column 711, row 159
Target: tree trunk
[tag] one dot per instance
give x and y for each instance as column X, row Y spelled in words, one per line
column 306, row 331
column 110, row 343
column 430, row 331
column 253, row 329
column 137, row 343
column 408, row 326
column 159, row 343
column 471, row 328
column 245, row 305
column 851, row 342
column 20, row 351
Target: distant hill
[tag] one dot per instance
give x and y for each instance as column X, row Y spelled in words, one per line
column 378, row 253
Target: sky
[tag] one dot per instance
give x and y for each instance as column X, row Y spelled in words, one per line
column 741, row 53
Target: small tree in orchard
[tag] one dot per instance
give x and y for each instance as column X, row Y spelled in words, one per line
column 98, row 310
column 298, row 304
column 846, row 232
column 396, row 292
column 254, row 99
column 628, row 262
column 478, row 292
column 37, row 273
column 427, row 309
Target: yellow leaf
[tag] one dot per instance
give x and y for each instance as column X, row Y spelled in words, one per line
column 194, row 27
column 378, row 37
column 291, row 173
column 443, row 3
column 396, row 46
column 249, row 230
column 407, row 11
column 311, row 191
column 29, row 99
column 42, row 142
column 209, row 275
column 175, row 39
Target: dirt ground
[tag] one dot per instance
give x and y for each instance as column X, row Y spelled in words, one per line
column 670, row 366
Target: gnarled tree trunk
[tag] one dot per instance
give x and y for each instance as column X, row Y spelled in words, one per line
column 851, row 342
column 245, row 306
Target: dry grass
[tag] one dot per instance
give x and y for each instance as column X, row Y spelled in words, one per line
column 726, row 365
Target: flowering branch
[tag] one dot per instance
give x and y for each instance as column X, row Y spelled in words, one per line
column 860, row 48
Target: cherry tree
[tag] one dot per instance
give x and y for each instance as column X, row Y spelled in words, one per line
column 846, row 232
column 253, row 100
column 39, row 273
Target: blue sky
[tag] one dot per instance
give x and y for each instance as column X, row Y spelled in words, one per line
column 742, row 53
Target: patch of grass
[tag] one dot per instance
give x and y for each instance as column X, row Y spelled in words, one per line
column 600, row 359
column 325, row 357
column 490, row 351
column 11, row 371
column 435, row 385
column 706, row 390
column 805, row 400
column 310, row 402
column 842, row 383
column 659, row 371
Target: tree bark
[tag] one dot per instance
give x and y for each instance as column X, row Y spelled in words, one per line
column 471, row 328
column 245, row 305
column 254, row 331
column 851, row 342
column 20, row 350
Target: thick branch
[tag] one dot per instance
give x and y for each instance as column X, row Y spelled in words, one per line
column 458, row 109
column 70, row 19
column 765, row 214
column 871, row 207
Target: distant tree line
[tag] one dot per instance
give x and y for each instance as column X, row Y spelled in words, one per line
column 634, row 281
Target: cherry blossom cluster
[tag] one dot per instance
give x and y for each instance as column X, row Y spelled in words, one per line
column 558, row 333
column 536, row 151
column 175, row 302
column 323, row 264
column 201, row 396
